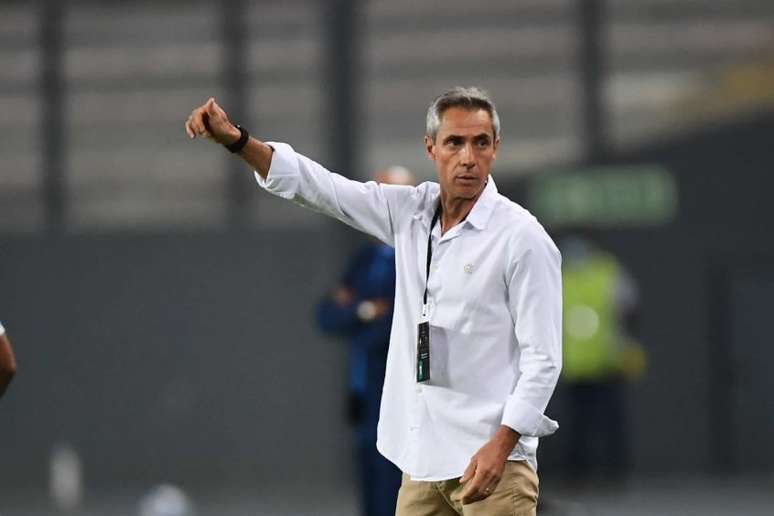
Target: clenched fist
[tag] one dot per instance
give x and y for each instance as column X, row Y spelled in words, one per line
column 210, row 121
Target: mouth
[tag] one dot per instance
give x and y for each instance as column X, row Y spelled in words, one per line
column 466, row 179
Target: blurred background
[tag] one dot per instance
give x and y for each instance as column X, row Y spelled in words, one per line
column 162, row 308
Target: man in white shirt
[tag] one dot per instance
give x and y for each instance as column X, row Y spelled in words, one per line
column 7, row 361
column 475, row 347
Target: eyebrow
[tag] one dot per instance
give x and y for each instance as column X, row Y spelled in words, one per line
column 479, row 136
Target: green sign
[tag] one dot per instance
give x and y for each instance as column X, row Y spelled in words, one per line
column 605, row 197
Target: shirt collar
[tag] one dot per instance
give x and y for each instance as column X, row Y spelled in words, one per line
column 479, row 214
column 482, row 210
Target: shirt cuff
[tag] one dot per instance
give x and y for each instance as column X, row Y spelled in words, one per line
column 282, row 178
column 526, row 419
column 2, row 330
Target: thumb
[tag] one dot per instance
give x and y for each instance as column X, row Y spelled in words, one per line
column 469, row 471
column 210, row 106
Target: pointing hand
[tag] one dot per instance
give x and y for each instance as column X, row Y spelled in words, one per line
column 210, row 121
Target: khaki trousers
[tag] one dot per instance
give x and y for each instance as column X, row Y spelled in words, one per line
column 515, row 495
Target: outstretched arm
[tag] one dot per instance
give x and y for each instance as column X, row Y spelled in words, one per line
column 368, row 207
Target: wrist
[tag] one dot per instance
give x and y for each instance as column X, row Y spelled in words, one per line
column 506, row 438
column 232, row 136
column 237, row 146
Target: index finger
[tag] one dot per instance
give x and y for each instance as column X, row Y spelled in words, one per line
column 188, row 129
column 473, row 490
column 197, row 122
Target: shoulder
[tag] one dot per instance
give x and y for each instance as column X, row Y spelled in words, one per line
column 426, row 194
column 421, row 195
column 522, row 230
column 410, row 200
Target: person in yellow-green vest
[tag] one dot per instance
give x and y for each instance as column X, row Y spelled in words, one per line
column 599, row 354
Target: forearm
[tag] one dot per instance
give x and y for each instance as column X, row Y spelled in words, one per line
column 505, row 438
column 302, row 180
column 258, row 155
column 255, row 153
column 524, row 408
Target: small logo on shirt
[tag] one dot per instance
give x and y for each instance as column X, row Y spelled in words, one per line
column 468, row 268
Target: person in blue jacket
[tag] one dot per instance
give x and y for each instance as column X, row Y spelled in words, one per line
column 360, row 308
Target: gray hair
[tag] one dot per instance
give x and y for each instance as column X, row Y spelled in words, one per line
column 467, row 98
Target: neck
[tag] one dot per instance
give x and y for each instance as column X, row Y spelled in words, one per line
column 455, row 209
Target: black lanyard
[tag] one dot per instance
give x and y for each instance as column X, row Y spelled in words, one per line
column 430, row 252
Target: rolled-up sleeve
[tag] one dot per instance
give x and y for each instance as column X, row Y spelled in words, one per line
column 367, row 207
column 535, row 297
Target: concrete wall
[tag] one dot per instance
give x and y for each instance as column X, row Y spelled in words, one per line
column 173, row 357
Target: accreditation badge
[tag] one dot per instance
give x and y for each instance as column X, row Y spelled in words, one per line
column 423, row 349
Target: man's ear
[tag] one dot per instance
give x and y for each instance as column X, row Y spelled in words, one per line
column 494, row 147
column 430, row 148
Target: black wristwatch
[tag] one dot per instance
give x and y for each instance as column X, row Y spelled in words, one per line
column 241, row 142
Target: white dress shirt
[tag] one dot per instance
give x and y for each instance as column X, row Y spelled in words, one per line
column 495, row 308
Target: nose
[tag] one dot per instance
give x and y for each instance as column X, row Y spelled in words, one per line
column 466, row 155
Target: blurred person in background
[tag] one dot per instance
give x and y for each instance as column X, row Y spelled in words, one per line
column 601, row 305
column 360, row 308
column 475, row 348
column 7, row 361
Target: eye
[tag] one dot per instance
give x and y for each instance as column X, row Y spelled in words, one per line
column 482, row 142
column 453, row 141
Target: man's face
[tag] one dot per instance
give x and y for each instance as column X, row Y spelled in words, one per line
column 463, row 151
